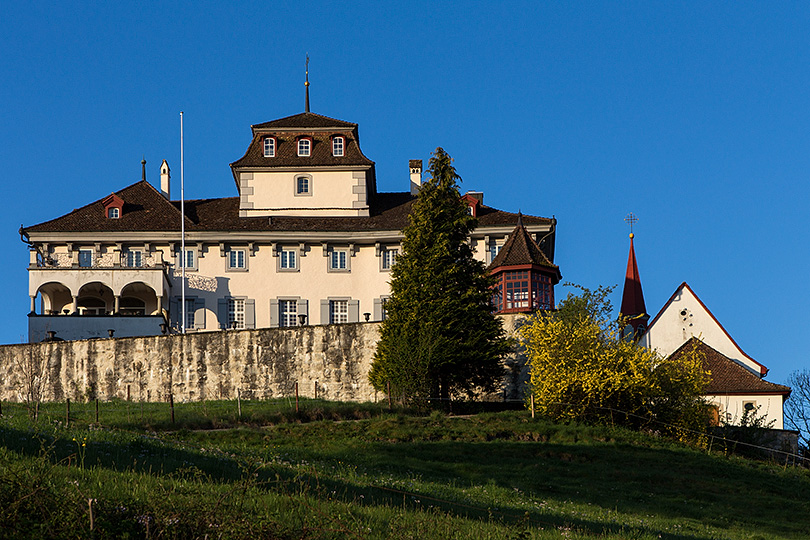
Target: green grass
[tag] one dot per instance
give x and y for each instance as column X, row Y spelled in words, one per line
column 274, row 473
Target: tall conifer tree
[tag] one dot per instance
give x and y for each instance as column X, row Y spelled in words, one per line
column 440, row 337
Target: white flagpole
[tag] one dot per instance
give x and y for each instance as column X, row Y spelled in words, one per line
column 182, row 233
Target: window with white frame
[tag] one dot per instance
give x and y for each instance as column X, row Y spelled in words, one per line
column 389, row 257
column 337, row 146
column 494, row 249
column 85, row 258
column 303, row 185
column 190, row 313
column 288, row 312
column 189, row 261
column 338, row 311
column 113, row 213
column 134, row 258
column 236, row 313
column 236, row 259
column 339, row 259
column 269, row 147
column 304, row 147
column 287, row 259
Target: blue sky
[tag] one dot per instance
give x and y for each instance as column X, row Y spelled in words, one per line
column 692, row 115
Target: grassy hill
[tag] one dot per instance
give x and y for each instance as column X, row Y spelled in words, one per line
column 265, row 474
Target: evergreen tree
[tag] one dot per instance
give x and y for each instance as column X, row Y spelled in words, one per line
column 440, row 337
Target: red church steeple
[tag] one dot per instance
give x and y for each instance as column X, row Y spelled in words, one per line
column 633, row 308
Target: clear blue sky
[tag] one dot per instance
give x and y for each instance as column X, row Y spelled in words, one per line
column 694, row 116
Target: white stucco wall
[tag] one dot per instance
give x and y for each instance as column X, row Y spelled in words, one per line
column 731, row 408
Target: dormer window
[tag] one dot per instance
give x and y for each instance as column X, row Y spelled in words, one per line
column 269, row 147
column 304, row 147
column 113, row 205
column 337, row 146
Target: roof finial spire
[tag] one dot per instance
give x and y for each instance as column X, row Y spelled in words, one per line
column 143, row 168
column 306, row 83
column 520, row 219
column 631, row 219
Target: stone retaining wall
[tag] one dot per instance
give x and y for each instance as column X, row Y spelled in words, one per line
column 260, row 364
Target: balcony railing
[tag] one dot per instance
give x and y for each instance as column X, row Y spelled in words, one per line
column 62, row 261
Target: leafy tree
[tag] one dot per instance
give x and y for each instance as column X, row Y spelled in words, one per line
column 440, row 337
column 581, row 368
column 797, row 407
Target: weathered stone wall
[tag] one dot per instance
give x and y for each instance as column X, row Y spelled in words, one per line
column 258, row 364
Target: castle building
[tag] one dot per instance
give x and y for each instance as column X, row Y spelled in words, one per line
column 307, row 240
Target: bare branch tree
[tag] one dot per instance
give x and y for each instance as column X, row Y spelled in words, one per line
column 31, row 370
column 797, row 407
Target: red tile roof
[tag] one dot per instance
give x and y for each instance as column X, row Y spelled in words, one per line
column 145, row 209
column 632, row 295
column 727, row 376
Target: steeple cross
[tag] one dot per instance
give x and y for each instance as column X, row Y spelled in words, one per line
column 631, row 219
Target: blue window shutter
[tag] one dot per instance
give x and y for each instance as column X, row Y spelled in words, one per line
column 199, row 313
column 174, row 312
column 222, row 312
column 354, row 310
column 324, row 311
column 274, row 313
column 250, row 313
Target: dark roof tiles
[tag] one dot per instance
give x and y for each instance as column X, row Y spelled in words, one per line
column 521, row 249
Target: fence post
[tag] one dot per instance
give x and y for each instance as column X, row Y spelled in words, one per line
column 296, row 397
column 96, row 410
column 127, row 392
column 388, row 387
column 316, row 389
column 171, row 405
column 532, row 398
column 239, row 402
column 67, row 413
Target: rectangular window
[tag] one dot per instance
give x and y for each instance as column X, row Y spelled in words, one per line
column 304, row 146
column 269, row 147
column 337, row 146
column 236, row 259
column 190, row 313
column 494, row 249
column 302, row 185
column 338, row 259
column 338, row 311
column 389, row 257
column 85, row 258
column 236, row 313
column 383, row 310
column 189, row 260
column 134, row 258
column 113, row 213
column 287, row 259
column 288, row 312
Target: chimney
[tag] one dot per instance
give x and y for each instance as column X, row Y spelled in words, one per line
column 477, row 195
column 416, row 175
column 165, row 176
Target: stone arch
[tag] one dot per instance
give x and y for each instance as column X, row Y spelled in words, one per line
column 138, row 298
column 55, row 298
column 95, row 298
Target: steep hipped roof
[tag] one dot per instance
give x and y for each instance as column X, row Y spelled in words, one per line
column 727, row 376
column 521, row 249
column 304, row 120
column 147, row 210
column 632, row 295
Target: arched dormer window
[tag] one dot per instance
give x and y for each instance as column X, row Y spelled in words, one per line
column 338, row 146
column 113, row 212
column 304, row 147
column 113, row 206
column 269, row 147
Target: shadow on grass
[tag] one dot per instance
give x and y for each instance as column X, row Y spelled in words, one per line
column 628, row 479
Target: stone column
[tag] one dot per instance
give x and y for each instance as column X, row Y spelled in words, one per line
column 117, row 304
column 75, row 304
column 34, row 304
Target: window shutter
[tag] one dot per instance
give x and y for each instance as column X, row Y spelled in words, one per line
column 354, row 310
column 274, row 313
column 377, row 315
column 324, row 311
column 174, row 312
column 303, row 309
column 199, row 313
column 222, row 312
column 250, row 313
